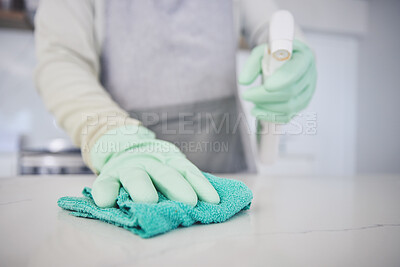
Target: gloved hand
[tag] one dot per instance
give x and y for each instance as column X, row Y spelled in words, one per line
column 287, row 91
column 131, row 156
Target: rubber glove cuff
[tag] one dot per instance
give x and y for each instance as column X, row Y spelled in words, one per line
column 119, row 140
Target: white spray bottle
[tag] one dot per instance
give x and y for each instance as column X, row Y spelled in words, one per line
column 281, row 34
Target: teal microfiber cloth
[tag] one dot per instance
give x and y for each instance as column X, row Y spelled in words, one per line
column 147, row 220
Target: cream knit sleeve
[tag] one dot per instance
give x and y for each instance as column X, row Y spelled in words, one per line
column 67, row 74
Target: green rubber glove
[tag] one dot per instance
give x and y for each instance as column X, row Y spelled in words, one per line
column 287, row 91
column 131, row 156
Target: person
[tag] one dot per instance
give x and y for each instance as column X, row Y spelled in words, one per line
column 116, row 74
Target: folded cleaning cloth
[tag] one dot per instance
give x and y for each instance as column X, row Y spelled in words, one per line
column 147, row 220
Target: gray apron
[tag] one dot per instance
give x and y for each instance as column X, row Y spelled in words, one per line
column 171, row 64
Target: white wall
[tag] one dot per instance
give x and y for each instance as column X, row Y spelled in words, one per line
column 376, row 23
column 378, row 145
column 21, row 109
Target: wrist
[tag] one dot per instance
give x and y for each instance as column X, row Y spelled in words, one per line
column 117, row 141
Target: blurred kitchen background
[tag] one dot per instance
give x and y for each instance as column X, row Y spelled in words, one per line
column 353, row 119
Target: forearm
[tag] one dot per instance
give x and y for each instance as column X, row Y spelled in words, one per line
column 78, row 102
column 67, row 75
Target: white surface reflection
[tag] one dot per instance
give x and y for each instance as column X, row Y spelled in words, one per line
column 293, row 221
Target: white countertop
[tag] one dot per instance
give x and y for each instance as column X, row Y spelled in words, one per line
column 293, row 221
